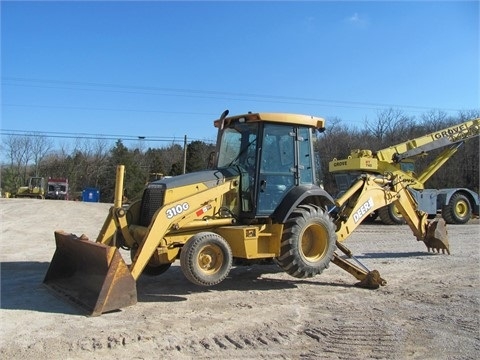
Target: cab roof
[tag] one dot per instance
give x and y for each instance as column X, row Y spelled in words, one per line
column 312, row 121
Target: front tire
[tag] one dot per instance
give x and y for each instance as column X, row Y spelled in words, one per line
column 308, row 242
column 458, row 210
column 206, row 259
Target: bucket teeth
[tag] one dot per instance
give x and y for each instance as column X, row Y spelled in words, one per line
column 437, row 237
column 444, row 249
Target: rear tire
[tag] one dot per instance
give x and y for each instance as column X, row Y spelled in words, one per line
column 458, row 210
column 308, row 242
column 390, row 215
column 206, row 259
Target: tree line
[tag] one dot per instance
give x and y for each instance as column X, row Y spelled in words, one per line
column 92, row 163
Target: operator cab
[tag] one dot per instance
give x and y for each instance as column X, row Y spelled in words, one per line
column 273, row 154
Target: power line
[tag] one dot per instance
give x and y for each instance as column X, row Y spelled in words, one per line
column 107, row 109
column 66, row 135
column 212, row 94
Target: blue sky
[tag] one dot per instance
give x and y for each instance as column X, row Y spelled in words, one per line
column 167, row 69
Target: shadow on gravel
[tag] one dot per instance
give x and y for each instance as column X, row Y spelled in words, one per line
column 387, row 255
column 172, row 285
column 22, row 286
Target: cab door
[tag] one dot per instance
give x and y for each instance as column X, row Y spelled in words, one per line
column 286, row 161
column 277, row 166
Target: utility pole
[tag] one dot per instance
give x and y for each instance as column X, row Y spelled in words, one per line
column 185, row 154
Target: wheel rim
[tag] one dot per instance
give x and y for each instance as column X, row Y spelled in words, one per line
column 461, row 208
column 210, row 259
column 396, row 212
column 314, row 243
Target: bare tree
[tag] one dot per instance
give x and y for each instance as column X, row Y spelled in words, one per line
column 391, row 126
column 40, row 146
column 379, row 128
column 18, row 151
column 434, row 120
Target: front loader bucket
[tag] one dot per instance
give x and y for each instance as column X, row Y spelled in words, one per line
column 91, row 275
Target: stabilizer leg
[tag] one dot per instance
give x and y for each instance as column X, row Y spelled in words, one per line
column 369, row 279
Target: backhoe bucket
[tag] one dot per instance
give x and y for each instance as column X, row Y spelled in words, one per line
column 437, row 236
column 91, row 275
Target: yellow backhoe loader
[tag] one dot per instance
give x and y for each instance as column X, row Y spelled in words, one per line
column 261, row 200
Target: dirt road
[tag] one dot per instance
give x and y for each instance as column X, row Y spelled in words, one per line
column 428, row 310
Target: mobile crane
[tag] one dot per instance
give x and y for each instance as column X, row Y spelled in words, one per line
column 262, row 200
column 457, row 205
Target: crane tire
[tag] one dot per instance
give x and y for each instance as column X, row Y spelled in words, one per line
column 458, row 210
column 389, row 215
column 308, row 242
column 206, row 259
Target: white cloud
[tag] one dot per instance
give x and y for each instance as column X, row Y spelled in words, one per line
column 354, row 18
column 357, row 20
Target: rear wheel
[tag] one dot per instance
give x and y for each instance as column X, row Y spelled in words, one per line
column 308, row 242
column 390, row 215
column 458, row 210
column 206, row 259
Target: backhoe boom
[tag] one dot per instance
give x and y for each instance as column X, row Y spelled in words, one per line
column 372, row 192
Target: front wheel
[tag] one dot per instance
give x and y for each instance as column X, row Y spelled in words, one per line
column 458, row 210
column 308, row 242
column 206, row 259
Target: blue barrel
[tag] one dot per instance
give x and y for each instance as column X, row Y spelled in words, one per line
column 91, row 195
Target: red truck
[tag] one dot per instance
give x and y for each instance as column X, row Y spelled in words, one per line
column 57, row 189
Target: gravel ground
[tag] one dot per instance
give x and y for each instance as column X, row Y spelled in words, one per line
column 428, row 310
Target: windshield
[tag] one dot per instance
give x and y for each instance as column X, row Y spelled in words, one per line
column 238, row 145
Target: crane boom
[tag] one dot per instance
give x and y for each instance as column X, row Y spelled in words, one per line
column 387, row 160
column 435, row 140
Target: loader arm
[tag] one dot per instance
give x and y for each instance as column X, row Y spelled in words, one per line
column 167, row 218
column 93, row 275
column 116, row 219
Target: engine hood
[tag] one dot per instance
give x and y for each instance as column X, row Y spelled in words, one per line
column 209, row 177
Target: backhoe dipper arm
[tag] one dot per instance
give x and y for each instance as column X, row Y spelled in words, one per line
column 372, row 192
column 365, row 196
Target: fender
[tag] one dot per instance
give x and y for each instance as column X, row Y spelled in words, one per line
column 298, row 195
